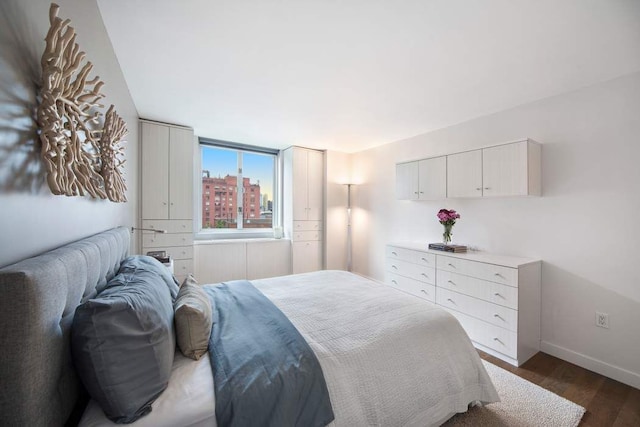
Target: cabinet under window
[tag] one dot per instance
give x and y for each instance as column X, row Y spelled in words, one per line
column 238, row 186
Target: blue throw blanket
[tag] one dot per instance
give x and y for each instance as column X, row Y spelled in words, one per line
column 265, row 373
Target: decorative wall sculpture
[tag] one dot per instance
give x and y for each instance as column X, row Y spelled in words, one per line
column 80, row 157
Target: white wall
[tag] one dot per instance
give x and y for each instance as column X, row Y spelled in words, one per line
column 585, row 228
column 32, row 220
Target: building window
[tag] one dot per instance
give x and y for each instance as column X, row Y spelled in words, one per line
column 242, row 171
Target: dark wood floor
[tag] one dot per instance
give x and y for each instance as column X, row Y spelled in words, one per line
column 608, row 402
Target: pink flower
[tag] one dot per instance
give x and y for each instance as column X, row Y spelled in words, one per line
column 447, row 217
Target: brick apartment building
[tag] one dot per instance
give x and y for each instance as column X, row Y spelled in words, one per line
column 219, row 207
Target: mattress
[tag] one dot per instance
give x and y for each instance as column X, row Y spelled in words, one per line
column 388, row 358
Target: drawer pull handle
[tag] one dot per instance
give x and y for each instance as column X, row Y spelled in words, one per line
column 498, row 316
column 424, row 259
column 394, row 253
column 486, row 188
column 451, row 265
column 424, row 292
column 479, row 188
column 451, row 301
column 393, row 266
column 498, row 295
column 499, row 275
column 423, row 274
column 498, row 340
column 452, row 282
column 393, row 281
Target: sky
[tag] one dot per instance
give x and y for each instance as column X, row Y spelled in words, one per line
column 221, row 162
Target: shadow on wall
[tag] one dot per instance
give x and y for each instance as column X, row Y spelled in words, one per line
column 21, row 170
column 569, row 304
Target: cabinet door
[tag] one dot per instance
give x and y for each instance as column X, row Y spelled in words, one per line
column 306, row 257
column 407, row 181
column 315, row 177
column 155, row 172
column 299, row 185
column 180, row 174
column 464, row 174
column 504, row 170
column 432, row 178
column 268, row 259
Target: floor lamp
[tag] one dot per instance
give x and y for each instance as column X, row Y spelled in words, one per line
column 348, row 226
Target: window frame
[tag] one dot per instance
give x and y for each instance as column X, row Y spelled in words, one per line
column 237, row 233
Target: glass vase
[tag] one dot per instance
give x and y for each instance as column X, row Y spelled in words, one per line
column 446, row 236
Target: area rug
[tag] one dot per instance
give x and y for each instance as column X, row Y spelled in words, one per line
column 522, row 404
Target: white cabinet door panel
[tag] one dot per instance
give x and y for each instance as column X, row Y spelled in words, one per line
column 180, row 173
column 299, row 185
column 307, row 256
column 155, row 177
column 504, row 170
column 268, row 259
column 315, row 178
column 464, row 174
column 407, row 181
column 432, row 182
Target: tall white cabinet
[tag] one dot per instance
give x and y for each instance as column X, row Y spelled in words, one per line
column 167, row 192
column 303, row 213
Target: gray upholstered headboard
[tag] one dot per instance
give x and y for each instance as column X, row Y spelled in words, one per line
column 38, row 298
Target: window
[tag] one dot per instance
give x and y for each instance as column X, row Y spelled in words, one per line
column 244, row 179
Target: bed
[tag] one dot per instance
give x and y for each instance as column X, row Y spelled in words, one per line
column 388, row 358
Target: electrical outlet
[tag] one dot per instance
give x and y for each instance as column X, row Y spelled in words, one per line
column 602, row 320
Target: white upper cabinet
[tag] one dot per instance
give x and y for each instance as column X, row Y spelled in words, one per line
column 407, row 181
column 422, row 180
column 167, row 172
column 464, row 174
column 511, row 170
column 315, row 178
column 308, row 175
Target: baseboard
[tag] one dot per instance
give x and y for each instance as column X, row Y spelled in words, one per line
column 595, row 365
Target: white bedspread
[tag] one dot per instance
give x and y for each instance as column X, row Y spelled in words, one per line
column 389, row 359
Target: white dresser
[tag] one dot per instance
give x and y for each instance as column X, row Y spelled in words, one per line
column 495, row 298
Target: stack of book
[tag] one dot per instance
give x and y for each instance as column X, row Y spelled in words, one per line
column 448, row 248
column 160, row 256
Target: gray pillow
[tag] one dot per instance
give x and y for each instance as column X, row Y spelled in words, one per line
column 146, row 265
column 193, row 318
column 123, row 340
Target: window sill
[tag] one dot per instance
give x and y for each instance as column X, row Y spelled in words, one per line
column 205, row 241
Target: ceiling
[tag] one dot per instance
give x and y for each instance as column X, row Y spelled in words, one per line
column 352, row 74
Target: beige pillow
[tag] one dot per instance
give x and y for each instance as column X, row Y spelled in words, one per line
column 193, row 318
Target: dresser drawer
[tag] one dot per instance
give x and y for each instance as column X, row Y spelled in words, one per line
column 306, row 236
column 171, row 225
column 156, row 240
column 483, row 310
column 496, row 293
column 175, row 252
column 414, row 287
column 494, row 337
column 307, row 225
column 491, row 272
column 416, row 257
column 411, row 270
